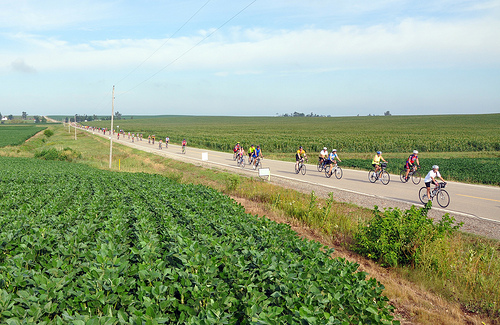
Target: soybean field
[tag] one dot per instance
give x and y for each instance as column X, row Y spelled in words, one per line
column 82, row 245
column 15, row 135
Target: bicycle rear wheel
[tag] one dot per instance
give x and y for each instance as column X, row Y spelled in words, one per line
column 443, row 198
column 297, row 169
column 372, row 176
column 303, row 169
column 402, row 176
column 415, row 178
column 385, row 178
column 338, row 172
column 422, row 195
column 327, row 172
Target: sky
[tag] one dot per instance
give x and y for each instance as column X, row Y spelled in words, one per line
column 249, row 57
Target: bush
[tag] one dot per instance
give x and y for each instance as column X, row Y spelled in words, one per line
column 48, row 133
column 67, row 154
column 396, row 238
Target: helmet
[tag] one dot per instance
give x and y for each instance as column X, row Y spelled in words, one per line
column 300, row 147
column 379, row 152
column 415, row 151
column 435, row 167
column 258, row 146
column 334, row 150
column 251, row 145
column 325, row 148
column 238, row 142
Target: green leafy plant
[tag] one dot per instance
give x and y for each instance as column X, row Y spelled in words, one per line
column 396, row 237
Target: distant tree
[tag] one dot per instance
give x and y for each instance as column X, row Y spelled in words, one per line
column 24, row 115
column 10, row 117
column 0, row 116
column 37, row 119
column 118, row 115
column 44, row 120
column 388, row 113
column 66, row 120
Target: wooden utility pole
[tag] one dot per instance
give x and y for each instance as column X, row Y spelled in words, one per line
column 111, row 130
column 75, row 126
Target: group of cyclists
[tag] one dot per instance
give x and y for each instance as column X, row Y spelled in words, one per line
column 254, row 154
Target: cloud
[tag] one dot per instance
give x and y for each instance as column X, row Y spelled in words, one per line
column 20, row 66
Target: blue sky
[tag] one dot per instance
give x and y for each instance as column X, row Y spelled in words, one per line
column 208, row 57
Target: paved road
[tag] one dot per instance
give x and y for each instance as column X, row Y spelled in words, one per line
column 478, row 201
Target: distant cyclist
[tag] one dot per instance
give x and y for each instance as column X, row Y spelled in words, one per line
column 236, row 149
column 376, row 161
column 250, row 153
column 332, row 159
column 184, row 144
column 431, row 178
column 167, row 140
column 241, row 153
column 160, row 144
column 323, row 154
column 410, row 162
column 149, row 138
column 300, row 155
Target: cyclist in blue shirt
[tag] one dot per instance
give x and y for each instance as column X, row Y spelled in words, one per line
column 257, row 153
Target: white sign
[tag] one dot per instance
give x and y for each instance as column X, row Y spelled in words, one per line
column 204, row 156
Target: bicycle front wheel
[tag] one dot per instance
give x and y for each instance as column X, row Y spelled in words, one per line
column 303, row 169
column 415, row 178
column 372, row 176
column 402, row 176
column 422, row 195
column 443, row 199
column 385, row 178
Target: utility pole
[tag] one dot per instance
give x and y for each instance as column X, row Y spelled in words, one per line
column 111, row 130
column 75, row 126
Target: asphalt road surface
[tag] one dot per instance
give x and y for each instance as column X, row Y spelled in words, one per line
column 480, row 202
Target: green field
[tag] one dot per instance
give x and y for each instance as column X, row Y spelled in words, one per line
column 402, row 134
column 83, row 245
column 15, row 135
column 467, row 147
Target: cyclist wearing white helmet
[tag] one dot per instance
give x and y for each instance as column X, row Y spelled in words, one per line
column 331, row 159
column 376, row 160
column 431, row 178
column 323, row 153
column 410, row 162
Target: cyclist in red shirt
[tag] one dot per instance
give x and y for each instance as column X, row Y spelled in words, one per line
column 410, row 162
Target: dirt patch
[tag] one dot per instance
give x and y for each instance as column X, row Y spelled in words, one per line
column 414, row 305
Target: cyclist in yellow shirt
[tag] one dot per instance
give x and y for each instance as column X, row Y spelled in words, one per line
column 376, row 160
column 300, row 155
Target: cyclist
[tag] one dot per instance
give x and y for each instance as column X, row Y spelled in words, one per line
column 431, row 178
column 250, row 153
column 240, row 154
column 300, row 155
column 160, row 144
column 331, row 159
column 376, row 161
column 410, row 162
column 236, row 149
column 167, row 140
column 184, row 143
column 149, row 138
column 256, row 153
column 323, row 155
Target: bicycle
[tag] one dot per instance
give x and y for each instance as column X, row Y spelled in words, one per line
column 300, row 167
column 384, row 177
column 336, row 170
column 235, row 155
column 183, row 149
column 442, row 197
column 414, row 174
column 321, row 164
column 240, row 161
column 257, row 163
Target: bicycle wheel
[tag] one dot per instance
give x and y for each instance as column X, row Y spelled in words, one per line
column 372, row 176
column 327, row 172
column 297, row 169
column 320, row 166
column 415, row 178
column 303, row 169
column 402, row 176
column 443, row 198
column 338, row 172
column 385, row 178
column 234, row 156
column 422, row 195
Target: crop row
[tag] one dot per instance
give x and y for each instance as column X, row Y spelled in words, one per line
column 80, row 244
column 15, row 135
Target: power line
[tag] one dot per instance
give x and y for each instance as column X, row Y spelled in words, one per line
column 190, row 49
column 168, row 39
